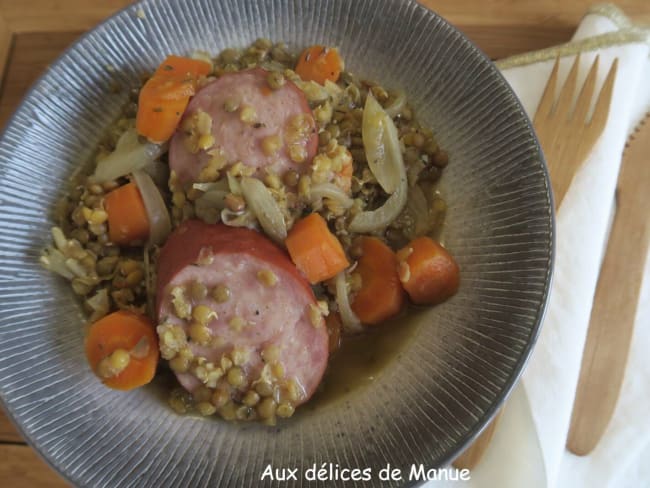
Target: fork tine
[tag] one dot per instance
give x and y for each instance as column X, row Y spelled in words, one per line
column 546, row 103
column 567, row 93
column 586, row 94
column 601, row 112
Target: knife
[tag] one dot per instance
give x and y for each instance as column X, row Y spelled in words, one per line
column 615, row 302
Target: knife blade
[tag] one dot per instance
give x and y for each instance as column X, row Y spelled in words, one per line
column 615, row 302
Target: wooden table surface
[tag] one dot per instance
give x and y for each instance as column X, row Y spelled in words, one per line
column 33, row 33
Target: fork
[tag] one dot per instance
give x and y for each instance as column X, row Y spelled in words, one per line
column 564, row 131
column 566, row 135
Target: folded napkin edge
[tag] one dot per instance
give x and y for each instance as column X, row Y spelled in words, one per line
column 631, row 35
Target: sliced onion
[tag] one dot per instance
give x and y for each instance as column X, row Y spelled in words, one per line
column 331, row 191
column 159, row 222
column 384, row 158
column 209, row 206
column 397, row 106
column 238, row 219
column 380, row 218
column 233, row 184
column 350, row 321
column 212, row 198
column 209, row 215
column 266, row 209
column 54, row 260
column 413, row 172
column 127, row 141
column 158, row 171
column 130, row 155
column 217, row 185
column 99, row 304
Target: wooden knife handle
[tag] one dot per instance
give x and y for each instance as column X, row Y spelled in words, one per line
column 615, row 302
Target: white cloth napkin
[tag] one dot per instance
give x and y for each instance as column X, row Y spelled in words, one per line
column 583, row 220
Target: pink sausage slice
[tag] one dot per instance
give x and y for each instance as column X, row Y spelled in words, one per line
column 271, row 115
column 266, row 327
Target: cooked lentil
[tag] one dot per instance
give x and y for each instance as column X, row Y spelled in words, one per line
column 267, row 277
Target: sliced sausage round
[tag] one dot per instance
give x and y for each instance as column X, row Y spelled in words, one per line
column 237, row 319
column 263, row 127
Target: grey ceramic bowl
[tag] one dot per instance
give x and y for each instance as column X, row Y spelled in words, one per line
column 445, row 381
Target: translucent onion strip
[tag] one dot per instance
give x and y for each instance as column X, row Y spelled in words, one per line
column 217, row 185
column 266, row 209
column 350, row 321
column 380, row 218
column 100, row 305
column 159, row 222
column 238, row 219
column 381, row 157
column 331, row 191
column 210, row 205
column 397, row 106
column 392, row 167
column 233, row 184
column 130, row 155
column 158, row 171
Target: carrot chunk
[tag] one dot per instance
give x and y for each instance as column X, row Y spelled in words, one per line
column 315, row 250
column 381, row 295
column 431, row 275
column 180, row 67
column 319, row 63
column 122, row 349
column 164, row 97
column 127, row 216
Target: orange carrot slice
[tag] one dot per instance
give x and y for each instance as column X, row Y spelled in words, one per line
column 182, row 67
column 117, row 334
column 432, row 274
column 319, row 63
column 127, row 216
column 165, row 96
column 381, row 295
column 315, row 250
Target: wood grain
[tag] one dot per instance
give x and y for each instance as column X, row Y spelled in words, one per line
column 21, row 466
column 563, row 131
column 30, row 56
column 57, row 15
column 6, row 39
column 615, row 302
column 8, row 432
column 72, row 15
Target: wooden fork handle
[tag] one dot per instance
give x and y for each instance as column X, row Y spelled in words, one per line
column 615, row 302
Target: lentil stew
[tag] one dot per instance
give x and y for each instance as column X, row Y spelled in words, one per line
column 237, row 204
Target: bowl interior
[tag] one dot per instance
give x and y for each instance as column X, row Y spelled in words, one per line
column 447, row 377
